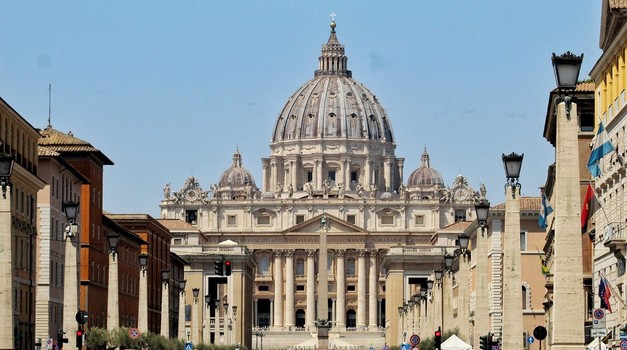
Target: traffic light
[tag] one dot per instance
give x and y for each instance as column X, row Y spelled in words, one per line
column 483, row 342
column 438, row 338
column 79, row 338
column 61, row 339
column 227, row 268
column 219, row 264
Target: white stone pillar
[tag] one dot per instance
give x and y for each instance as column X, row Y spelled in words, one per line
column 113, row 308
column 367, row 173
column 482, row 303
column 340, row 276
column 71, row 292
column 289, row 288
column 7, row 339
column 264, row 175
column 294, row 172
column 165, row 309
column 206, row 324
column 278, row 290
column 323, row 275
column 512, row 306
column 568, row 314
column 142, row 316
column 361, row 289
column 195, row 322
column 347, row 174
column 387, row 175
column 310, row 312
column 372, row 291
column 319, row 176
column 182, row 335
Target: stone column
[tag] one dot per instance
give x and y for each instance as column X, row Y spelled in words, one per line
column 361, row 289
column 113, row 308
column 482, row 303
column 386, row 174
column 294, row 173
column 447, row 300
column 340, row 277
column 512, row 306
column 347, row 174
column 165, row 310
column 7, row 337
column 142, row 316
column 323, row 275
column 196, row 319
column 372, row 291
column 273, row 177
column 289, row 288
column 310, row 312
column 367, row 173
column 182, row 335
column 319, row 176
column 568, row 307
column 278, row 290
column 71, row 296
column 206, row 324
column 264, row 175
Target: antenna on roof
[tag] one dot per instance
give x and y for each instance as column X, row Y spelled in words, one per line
column 49, row 104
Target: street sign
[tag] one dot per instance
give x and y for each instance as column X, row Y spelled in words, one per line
column 189, row 346
column 540, row 332
column 623, row 344
column 594, row 332
column 81, row 317
column 414, row 339
column 598, row 319
column 530, row 340
column 133, row 333
column 496, row 347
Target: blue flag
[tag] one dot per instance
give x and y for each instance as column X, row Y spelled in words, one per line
column 602, row 146
column 544, row 212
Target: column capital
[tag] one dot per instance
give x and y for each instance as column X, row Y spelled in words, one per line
column 289, row 253
column 312, row 253
column 340, row 253
column 362, row 253
column 278, row 253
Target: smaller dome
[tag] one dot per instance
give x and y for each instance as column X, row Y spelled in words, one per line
column 236, row 176
column 425, row 175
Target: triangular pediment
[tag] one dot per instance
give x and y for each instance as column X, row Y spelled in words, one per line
column 336, row 225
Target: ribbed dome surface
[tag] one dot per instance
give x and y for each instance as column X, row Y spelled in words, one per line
column 333, row 104
column 236, row 175
column 425, row 175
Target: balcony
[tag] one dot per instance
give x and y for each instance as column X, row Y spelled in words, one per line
column 615, row 236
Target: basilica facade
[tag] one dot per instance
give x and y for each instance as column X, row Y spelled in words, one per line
column 332, row 172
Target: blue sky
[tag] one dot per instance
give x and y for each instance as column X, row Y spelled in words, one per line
column 169, row 89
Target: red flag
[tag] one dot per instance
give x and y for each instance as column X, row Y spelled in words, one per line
column 585, row 210
column 605, row 294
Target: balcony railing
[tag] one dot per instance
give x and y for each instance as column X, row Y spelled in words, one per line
column 615, row 233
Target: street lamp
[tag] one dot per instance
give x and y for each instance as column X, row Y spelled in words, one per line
column 430, row 284
column 226, row 306
column 482, row 209
column 165, row 276
column 143, row 262
column 113, row 239
column 448, row 261
column 208, row 300
column 71, row 209
column 438, row 276
column 463, row 239
column 6, row 169
column 195, row 292
column 512, row 163
column 182, row 284
column 566, row 68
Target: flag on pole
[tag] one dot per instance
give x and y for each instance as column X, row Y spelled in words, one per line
column 585, row 208
column 545, row 269
column 544, row 212
column 605, row 294
column 602, row 146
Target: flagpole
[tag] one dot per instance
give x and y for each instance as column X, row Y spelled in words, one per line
column 614, row 291
column 594, row 193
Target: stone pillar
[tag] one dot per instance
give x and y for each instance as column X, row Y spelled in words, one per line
column 340, row 276
column 113, row 308
column 387, row 175
column 206, row 324
column 278, row 290
column 568, row 307
column 372, row 291
column 264, row 175
column 463, row 297
column 165, row 309
column 142, row 316
column 447, row 300
column 394, row 282
column 482, row 282
column 273, row 176
column 196, row 319
column 319, row 176
column 71, row 296
column 361, row 289
column 347, row 174
column 182, row 335
column 323, row 275
column 7, row 337
column 367, row 173
column 512, row 306
column 289, row 288
column 294, row 173
column 310, row 312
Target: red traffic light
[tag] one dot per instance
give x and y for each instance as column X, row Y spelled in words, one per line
column 79, row 333
column 227, row 263
column 438, row 333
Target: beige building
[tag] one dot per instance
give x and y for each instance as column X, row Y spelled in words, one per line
column 332, row 169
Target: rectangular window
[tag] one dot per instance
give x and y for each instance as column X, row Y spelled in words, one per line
column 231, row 220
column 309, row 176
column 419, row 220
column 264, row 288
column 523, row 241
column 331, row 176
column 300, row 287
column 178, row 241
column 350, row 288
column 354, row 176
column 351, row 219
column 191, row 217
column 460, row 215
column 263, row 220
column 300, row 219
column 387, row 220
column 587, row 121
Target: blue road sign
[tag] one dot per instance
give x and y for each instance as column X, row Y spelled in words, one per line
column 189, row 346
column 530, row 340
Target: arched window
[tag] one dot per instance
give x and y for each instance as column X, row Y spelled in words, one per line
column 526, row 296
column 350, row 266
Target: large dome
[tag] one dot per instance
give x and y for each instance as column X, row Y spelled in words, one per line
column 236, row 176
column 333, row 104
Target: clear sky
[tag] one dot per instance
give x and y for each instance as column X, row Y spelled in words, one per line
column 169, row 89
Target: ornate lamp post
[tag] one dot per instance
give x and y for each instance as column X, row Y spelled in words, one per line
column 567, row 313
column 113, row 309
column 165, row 303
column 142, row 318
column 181, row 333
column 6, row 170
column 512, row 308
column 71, row 289
column 195, row 317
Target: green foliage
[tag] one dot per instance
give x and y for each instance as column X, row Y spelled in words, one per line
column 101, row 339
